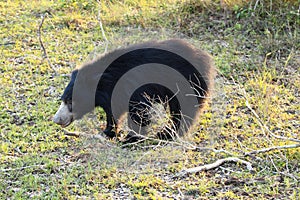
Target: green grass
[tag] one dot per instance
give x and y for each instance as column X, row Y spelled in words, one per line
column 255, row 48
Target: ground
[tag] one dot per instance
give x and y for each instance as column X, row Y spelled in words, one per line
column 255, row 104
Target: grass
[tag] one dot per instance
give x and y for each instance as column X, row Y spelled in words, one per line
column 255, row 48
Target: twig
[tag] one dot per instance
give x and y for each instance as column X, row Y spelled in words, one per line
column 261, row 123
column 21, row 168
column 73, row 134
column 189, row 146
column 8, row 43
column 213, row 150
column 256, row 3
column 40, row 39
column 30, row 166
column 180, row 193
column 277, row 170
column 101, row 26
column 266, row 128
column 45, row 55
column 271, row 149
column 214, row 165
column 86, row 135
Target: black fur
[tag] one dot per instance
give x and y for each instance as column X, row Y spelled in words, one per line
column 130, row 60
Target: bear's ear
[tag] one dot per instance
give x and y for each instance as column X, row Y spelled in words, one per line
column 74, row 74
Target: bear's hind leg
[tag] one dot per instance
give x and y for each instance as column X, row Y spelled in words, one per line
column 169, row 132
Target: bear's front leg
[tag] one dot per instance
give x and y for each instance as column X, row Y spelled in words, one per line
column 109, row 130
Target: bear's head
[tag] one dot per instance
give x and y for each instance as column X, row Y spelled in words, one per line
column 64, row 115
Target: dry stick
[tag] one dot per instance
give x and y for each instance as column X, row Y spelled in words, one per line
column 28, row 167
column 79, row 134
column 214, row 165
column 45, row 55
column 213, row 150
column 190, row 147
column 272, row 148
column 8, row 43
column 141, row 139
column 22, row 168
column 40, row 38
column 235, row 159
column 256, row 3
column 266, row 128
column 101, row 27
column 261, row 123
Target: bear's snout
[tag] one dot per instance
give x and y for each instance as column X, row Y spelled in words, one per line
column 63, row 116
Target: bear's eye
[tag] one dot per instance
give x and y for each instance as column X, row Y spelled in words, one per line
column 70, row 107
column 69, row 104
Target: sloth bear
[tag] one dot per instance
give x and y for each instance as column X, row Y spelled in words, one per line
column 194, row 65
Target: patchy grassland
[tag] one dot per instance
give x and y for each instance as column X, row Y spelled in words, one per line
column 256, row 50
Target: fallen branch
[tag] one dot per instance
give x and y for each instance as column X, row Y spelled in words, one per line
column 45, row 55
column 86, row 135
column 260, row 121
column 272, row 148
column 101, row 27
column 213, row 150
column 214, row 165
column 80, row 134
column 8, row 43
column 22, row 168
column 266, row 128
